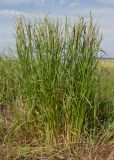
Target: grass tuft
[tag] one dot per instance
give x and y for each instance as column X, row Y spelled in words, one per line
column 54, row 91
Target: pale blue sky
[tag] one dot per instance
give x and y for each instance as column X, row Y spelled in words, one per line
column 103, row 11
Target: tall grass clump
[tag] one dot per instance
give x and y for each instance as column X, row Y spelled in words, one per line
column 54, row 83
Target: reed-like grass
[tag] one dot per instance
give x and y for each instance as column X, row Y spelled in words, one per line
column 53, row 89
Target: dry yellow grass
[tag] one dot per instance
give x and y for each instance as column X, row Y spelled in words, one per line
column 108, row 64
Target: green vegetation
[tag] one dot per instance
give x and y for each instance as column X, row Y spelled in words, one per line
column 54, row 93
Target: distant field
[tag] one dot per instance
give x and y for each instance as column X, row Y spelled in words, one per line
column 108, row 64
